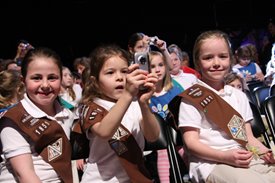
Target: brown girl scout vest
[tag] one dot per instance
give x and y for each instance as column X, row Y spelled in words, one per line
column 122, row 142
column 51, row 142
column 218, row 111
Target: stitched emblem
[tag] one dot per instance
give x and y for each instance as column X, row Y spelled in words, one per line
column 118, row 145
column 236, row 128
column 94, row 113
column 195, row 92
column 55, row 150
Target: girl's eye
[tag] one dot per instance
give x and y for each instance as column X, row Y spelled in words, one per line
column 109, row 72
column 53, row 77
column 36, row 78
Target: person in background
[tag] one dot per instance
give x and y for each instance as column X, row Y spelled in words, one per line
column 12, row 89
column 139, row 42
column 270, row 68
column 10, row 64
column 166, row 89
column 249, row 69
column 235, row 80
column 177, row 65
column 22, row 49
column 216, row 152
column 69, row 96
column 116, row 117
column 185, row 59
column 70, row 92
column 77, row 77
column 41, row 127
column 81, row 63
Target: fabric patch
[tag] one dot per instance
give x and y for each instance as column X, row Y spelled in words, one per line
column 236, row 128
column 94, row 113
column 55, row 150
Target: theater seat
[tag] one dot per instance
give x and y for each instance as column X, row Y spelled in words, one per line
column 269, row 111
column 257, row 124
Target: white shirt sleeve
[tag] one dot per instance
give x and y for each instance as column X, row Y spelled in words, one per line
column 14, row 143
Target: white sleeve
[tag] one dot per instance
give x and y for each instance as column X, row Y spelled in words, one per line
column 13, row 143
column 189, row 116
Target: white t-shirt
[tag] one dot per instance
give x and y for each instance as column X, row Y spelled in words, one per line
column 185, row 79
column 15, row 144
column 78, row 94
column 103, row 164
column 189, row 116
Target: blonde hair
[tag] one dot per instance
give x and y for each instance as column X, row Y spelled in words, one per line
column 11, row 87
column 70, row 88
column 167, row 82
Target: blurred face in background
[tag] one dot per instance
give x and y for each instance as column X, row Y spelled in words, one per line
column 236, row 84
column 176, row 63
column 157, row 66
column 67, row 78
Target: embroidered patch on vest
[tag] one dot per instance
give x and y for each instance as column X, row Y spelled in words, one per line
column 236, row 128
column 94, row 113
column 118, row 147
column 116, row 144
column 120, row 133
column 195, row 92
column 55, row 150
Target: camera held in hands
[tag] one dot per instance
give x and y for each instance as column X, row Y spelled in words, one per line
column 153, row 40
column 142, row 58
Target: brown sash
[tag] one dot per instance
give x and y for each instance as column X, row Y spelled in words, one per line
column 123, row 143
column 50, row 140
column 218, row 111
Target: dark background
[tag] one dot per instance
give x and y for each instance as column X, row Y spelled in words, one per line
column 74, row 27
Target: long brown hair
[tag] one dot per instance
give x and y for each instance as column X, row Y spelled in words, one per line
column 98, row 57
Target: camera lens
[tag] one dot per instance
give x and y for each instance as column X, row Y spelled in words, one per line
column 142, row 60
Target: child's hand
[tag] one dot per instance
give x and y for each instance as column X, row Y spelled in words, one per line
column 238, row 157
column 150, row 85
column 259, row 76
column 268, row 157
column 248, row 77
column 135, row 79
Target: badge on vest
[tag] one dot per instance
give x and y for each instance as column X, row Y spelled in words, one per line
column 236, row 128
column 94, row 113
column 195, row 92
column 117, row 145
column 55, row 150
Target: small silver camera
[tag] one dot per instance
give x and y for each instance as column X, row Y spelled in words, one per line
column 25, row 45
column 142, row 58
column 153, row 40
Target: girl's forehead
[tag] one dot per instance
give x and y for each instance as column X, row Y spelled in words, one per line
column 115, row 61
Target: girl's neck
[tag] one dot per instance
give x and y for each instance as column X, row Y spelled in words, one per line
column 62, row 89
column 175, row 73
column 215, row 85
column 49, row 110
column 159, row 87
